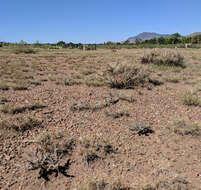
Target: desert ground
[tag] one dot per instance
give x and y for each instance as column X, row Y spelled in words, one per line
column 98, row 120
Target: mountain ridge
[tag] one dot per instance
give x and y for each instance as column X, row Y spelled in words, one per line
column 146, row 36
column 152, row 35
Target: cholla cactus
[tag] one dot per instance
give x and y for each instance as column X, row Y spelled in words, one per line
column 40, row 159
column 48, row 163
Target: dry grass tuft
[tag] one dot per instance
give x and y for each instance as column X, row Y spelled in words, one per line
column 191, row 99
column 67, row 81
column 20, row 124
column 20, row 109
column 94, row 106
column 119, row 186
column 165, row 58
column 4, row 86
column 96, row 185
column 103, row 185
column 126, row 77
column 117, row 114
column 61, row 140
column 172, row 184
column 181, row 127
column 126, row 97
column 20, row 86
column 3, row 101
column 25, row 50
column 94, row 148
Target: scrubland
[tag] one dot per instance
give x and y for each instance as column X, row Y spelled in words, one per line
column 127, row 119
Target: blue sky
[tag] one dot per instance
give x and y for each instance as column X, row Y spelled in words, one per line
column 94, row 21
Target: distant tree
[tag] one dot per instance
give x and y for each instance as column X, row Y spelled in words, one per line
column 37, row 44
column 187, row 39
column 61, row 43
column 161, row 40
column 22, row 42
column 199, row 39
column 196, row 39
column 176, row 35
column 125, row 42
column 109, row 43
column 174, row 39
column 138, row 41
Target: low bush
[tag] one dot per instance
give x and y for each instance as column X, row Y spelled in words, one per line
column 26, row 50
column 181, row 127
column 20, row 109
column 165, row 58
column 126, row 77
column 20, row 124
column 20, row 86
column 191, row 99
column 4, row 86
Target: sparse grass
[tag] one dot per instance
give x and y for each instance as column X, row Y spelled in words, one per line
column 93, row 185
column 198, row 87
column 181, row 127
column 119, row 186
column 20, row 86
column 97, row 185
column 191, row 99
column 94, row 82
column 126, row 97
column 173, row 79
column 4, row 86
column 3, row 100
column 166, row 58
column 94, row 106
column 121, row 155
column 117, row 114
column 61, row 140
column 20, row 109
column 155, row 81
column 94, row 148
column 172, row 184
column 36, row 83
column 20, row 124
column 25, row 50
column 103, row 185
column 91, row 157
column 67, row 81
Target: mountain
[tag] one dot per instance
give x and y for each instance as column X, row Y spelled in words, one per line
column 146, row 36
column 195, row 34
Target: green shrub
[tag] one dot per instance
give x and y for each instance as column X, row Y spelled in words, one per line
column 61, row 44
